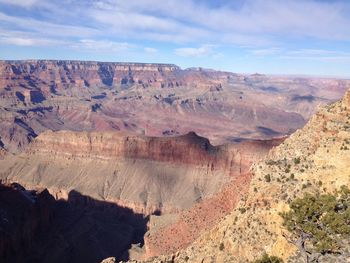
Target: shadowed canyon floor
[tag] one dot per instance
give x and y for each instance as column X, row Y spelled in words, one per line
column 35, row 227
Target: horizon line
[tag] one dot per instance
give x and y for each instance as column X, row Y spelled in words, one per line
column 292, row 75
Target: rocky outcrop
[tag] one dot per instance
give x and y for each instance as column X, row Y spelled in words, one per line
column 34, row 227
column 152, row 99
column 188, row 225
column 23, row 216
column 187, row 149
column 313, row 159
column 61, row 74
column 146, row 174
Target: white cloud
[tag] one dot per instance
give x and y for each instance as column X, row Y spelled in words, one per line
column 255, row 25
column 265, row 51
column 20, row 38
column 150, row 50
column 45, row 28
column 288, row 18
column 102, row 45
column 21, row 3
column 20, row 41
column 316, row 55
column 201, row 51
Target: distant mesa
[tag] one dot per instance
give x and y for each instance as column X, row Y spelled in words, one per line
column 138, row 97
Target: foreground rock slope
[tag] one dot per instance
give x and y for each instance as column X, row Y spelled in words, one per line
column 315, row 158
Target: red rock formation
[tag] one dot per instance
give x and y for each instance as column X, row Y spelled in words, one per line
column 152, row 99
column 204, row 215
column 146, row 174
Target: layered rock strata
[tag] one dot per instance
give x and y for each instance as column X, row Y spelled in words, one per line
column 147, row 174
column 313, row 159
column 152, row 99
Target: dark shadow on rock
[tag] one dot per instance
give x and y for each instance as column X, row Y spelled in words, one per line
column 34, row 227
column 308, row 98
column 267, row 131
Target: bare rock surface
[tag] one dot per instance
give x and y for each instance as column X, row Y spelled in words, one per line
column 153, row 99
column 254, row 226
column 147, row 174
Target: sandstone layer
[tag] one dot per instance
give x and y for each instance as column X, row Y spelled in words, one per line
column 152, row 99
column 185, row 227
column 147, row 174
column 255, row 226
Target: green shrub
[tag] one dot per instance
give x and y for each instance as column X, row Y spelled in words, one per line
column 322, row 220
column 268, row 259
column 297, row 160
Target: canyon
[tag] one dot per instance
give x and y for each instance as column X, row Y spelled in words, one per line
column 154, row 162
column 255, row 226
column 154, row 100
column 173, row 181
column 35, row 227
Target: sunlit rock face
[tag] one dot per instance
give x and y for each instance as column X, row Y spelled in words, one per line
column 152, row 99
column 147, row 174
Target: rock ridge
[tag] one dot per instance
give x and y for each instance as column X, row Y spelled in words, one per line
column 313, row 159
column 146, row 174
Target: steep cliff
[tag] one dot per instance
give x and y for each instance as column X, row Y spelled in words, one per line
column 23, row 216
column 315, row 158
column 147, row 174
column 152, row 99
column 168, row 234
column 34, row 227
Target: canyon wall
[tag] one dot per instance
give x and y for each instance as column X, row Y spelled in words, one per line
column 152, row 99
column 34, row 227
column 255, row 226
column 147, row 174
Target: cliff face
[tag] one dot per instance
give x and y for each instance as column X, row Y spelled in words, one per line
column 152, row 99
column 34, row 227
column 168, row 234
column 255, row 226
column 58, row 75
column 187, row 149
column 24, row 216
column 147, row 174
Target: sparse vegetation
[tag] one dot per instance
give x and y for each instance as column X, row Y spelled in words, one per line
column 268, row 259
column 242, row 210
column 318, row 224
column 297, row 160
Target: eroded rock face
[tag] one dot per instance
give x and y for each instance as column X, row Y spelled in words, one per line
column 187, row 149
column 23, row 216
column 185, row 227
column 255, row 226
column 152, row 99
column 147, row 174
column 34, row 227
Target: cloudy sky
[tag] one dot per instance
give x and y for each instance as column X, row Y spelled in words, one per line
column 265, row 36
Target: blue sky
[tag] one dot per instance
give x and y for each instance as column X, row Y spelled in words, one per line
column 310, row 37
